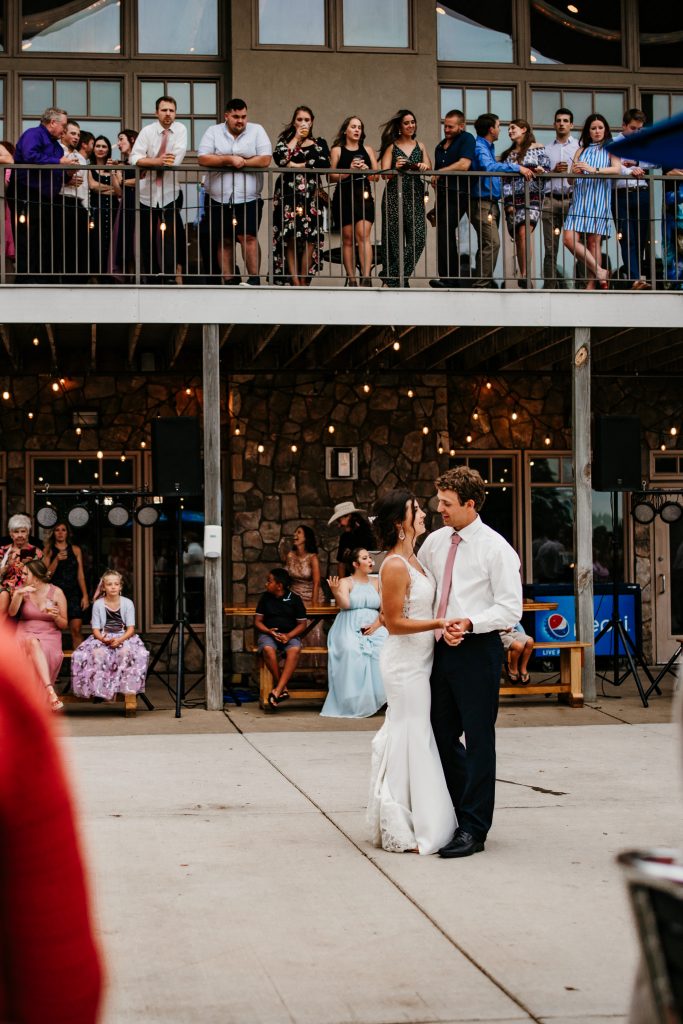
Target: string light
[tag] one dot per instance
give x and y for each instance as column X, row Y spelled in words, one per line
column 411, row 393
column 79, row 431
column 36, row 342
column 294, row 448
column 469, row 439
column 260, row 449
column 330, row 429
column 396, row 346
column 366, row 388
column 514, row 416
column 30, row 415
column 488, row 385
column 546, row 440
column 5, row 395
column 662, row 447
column 123, row 456
column 162, row 226
column 237, row 431
column 475, row 415
column 55, row 385
column 440, row 449
column 188, row 391
column 673, row 430
column 452, row 452
column 22, row 218
column 425, row 430
column 100, row 453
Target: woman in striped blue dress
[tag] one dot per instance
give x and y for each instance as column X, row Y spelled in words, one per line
column 590, row 217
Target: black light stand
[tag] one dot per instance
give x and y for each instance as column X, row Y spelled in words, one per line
column 180, row 625
column 616, row 627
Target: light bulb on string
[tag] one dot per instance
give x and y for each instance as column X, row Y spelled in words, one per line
column 546, row 441
column 36, row 342
column 79, row 431
column 30, row 415
column 260, row 449
column 5, row 395
column 55, row 386
column 294, row 448
column 22, row 218
column 366, row 388
column 237, row 431
column 488, row 385
column 514, row 416
column 123, row 457
column 440, row 449
column 188, row 391
column 143, row 444
column 162, row 226
column 673, row 430
column 425, row 430
column 662, row 447
column 469, row 439
column 330, row 429
column 475, row 415
column 411, row 393
column 396, row 346
column 452, row 452
column 100, row 454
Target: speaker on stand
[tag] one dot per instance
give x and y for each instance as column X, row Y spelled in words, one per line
column 616, row 468
column 176, row 474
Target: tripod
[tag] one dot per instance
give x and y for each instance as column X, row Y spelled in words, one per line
column 619, row 635
column 181, row 625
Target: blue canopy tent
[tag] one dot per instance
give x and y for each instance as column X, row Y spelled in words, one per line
column 661, row 144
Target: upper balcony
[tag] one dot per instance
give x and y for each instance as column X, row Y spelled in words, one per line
column 421, row 271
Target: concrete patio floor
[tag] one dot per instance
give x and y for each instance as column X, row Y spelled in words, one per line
column 233, row 882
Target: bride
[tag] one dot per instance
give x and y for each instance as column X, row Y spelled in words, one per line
column 409, row 808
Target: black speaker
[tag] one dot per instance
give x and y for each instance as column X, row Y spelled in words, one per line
column 176, row 463
column 616, row 454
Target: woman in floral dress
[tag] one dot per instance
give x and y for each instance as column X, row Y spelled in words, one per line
column 297, row 213
column 526, row 152
column 113, row 660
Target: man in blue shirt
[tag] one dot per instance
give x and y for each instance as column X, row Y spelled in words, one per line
column 455, row 152
column 485, row 193
column 34, row 194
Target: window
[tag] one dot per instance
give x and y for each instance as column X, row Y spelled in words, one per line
column 468, row 30
column 661, row 105
column 666, row 465
column 47, row 27
column 296, row 23
column 581, row 102
column 550, row 544
column 176, row 26
column 197, row 105
column 476, row 101
column 499, row 472
column 661, row 28
column 95, row 103
column 589, row 36
column 383, row 23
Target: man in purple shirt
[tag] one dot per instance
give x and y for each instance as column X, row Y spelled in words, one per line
column 33, row 194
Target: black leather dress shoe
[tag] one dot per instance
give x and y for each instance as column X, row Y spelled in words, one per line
column 463, row 844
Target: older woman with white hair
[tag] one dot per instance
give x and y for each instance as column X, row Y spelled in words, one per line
column 13, row 558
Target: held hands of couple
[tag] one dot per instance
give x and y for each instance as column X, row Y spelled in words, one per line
column 455, row 630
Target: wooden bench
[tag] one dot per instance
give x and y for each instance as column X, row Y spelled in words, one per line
column 295, row 692
column 568, row 689
column 129, row 700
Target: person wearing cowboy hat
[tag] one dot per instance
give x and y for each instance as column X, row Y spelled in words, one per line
column 356, row 533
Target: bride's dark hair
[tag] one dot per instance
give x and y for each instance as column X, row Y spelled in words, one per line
column 389, row 513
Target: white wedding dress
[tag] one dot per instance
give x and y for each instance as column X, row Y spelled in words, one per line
column 409, row 805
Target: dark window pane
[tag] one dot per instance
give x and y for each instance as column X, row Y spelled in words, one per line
column 48, row 471
column 501, row 471
column 666, row 464
column 544, row 470
column 115, row 472
column 552, row 517
column 298, row 22
column 178, row 26
column 591, row 36
column 381, row 23
column 481, row 466
column 603, row 555
column 661, row 33
column 498, row 511
column 63, row 28
column 82, row 472
column 470, row 31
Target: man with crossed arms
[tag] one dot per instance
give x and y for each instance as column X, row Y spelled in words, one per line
column 479, row 586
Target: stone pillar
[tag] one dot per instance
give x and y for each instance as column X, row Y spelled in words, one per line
column 213, row 597
column 583, row 521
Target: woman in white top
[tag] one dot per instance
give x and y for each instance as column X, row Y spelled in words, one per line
column 409, row 807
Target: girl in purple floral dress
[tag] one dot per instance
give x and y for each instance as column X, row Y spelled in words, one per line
column 113, row 660
column 297, row 213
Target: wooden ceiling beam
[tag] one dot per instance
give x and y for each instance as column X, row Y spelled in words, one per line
column 301, row 340
column 10, row 345
column 134, row 332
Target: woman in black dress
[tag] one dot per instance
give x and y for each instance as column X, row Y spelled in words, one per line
column 123, row 244
column 353, row 208
column 64, row 561
column 297, row 202
column 104, row 203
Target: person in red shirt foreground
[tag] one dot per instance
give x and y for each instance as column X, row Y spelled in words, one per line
column 50, row 967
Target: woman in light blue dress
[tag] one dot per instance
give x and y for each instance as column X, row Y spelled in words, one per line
column 353, row 644
column 590, row 215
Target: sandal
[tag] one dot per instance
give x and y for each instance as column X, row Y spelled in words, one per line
column 513, row 677
column 524, row 678
column 284, row 696
column 55, row 703
column 273, row 699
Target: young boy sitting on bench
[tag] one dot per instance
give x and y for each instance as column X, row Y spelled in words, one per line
column 280, row 620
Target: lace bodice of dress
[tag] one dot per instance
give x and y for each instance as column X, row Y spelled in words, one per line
column 419, row 600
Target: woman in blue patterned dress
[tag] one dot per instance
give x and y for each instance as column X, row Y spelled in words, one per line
column 353, row 644
column 590, row 216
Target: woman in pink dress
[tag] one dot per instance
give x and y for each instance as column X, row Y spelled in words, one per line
column 6, row 160
column 40, row 610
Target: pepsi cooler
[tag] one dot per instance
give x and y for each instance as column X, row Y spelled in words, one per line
column 560, row 625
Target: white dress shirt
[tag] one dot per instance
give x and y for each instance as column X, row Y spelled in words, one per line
column 561, row 153
column 76, row 191
column 487, row 586
column 628, row 167
column 227, row 184
column 148, row 144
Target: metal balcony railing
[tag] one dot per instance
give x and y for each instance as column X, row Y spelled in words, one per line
column 116, row 224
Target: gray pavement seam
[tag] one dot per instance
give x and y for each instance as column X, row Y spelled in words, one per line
column 392, row 881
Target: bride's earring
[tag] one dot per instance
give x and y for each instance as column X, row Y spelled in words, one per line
column 401, row 534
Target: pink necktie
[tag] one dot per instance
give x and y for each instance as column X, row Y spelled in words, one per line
column 162, row 152
column 447, row 581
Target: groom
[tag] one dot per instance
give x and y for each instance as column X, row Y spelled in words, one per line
column 479, row 587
